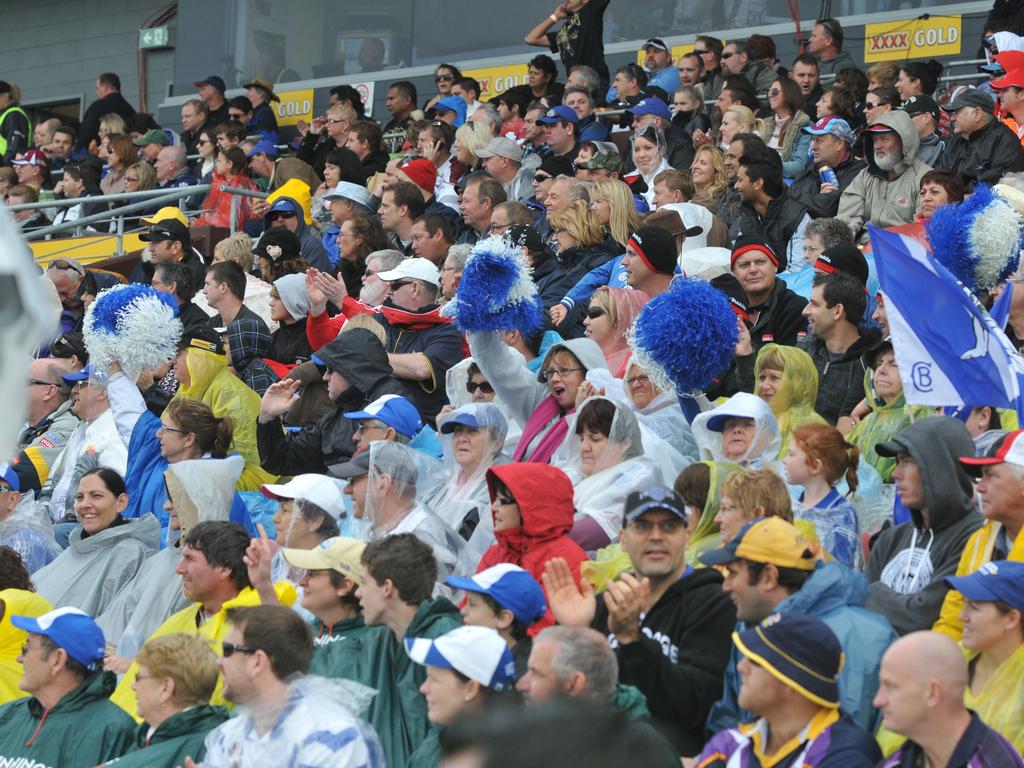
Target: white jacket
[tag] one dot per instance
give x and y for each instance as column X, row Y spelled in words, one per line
column 98, row 437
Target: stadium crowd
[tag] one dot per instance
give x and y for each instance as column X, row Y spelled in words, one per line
column 338, row 527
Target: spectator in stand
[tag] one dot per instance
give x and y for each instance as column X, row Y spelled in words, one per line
column 263, row 121
column 211, row 91
column 826, row 43
column 503, row 159
column 432, row 236
column 28, row 220
column 33, row 170
column 652, row 111
column 909, row 562
column 435, row 144
column 176, row 279
column 806, row 74
column 480, row 194
column 839, row 101
column 561, row 126
column 767, row 210
column 918, row 78
column 921, row 696
column 326, row 135
column 775, row 311
column 445, row 77
column 710, row 48
column 688, row 110
column 886, row 192
column 709, row 177
column 365, row 139
column 1008, row 90
column 14, row 123
column 831, row 145
column 880, row 101
column 580, row 40
column 983, row 148
column 289, row 208
column 784, row 132
column 468, row 89
column 80, row 182
column 582, row 101
column 108, row 99
column 172, row 168
column 289, row 306
column 883, row 74
column 650, row 260
column 64, row 139
column 927, row 117
column 193, row 120
column 224, row 288
column 790, row 670
column 690, row 67
column 837, row 344
column 736, row 61
column 401, row 103
column 120, row 154
column 231, row 169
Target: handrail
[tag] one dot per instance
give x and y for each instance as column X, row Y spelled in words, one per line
column 169, row 197
column 141, row 194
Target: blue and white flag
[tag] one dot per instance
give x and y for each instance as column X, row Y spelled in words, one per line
column 949, row 350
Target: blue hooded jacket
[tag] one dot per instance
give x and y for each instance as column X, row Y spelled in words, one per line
column 834, row 594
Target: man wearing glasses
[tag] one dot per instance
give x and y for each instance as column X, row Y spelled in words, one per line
column 50, row 423
column 668, row 623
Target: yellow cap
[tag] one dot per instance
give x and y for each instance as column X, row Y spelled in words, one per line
column 167, row 213
column 339, row 554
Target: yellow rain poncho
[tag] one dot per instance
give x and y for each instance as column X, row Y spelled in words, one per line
column 706, row 536
column 884, row 421
column 211, row 382
column 1000, row 704
column 793, row 404
column 17, row 602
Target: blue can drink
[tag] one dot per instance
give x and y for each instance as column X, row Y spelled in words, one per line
column 828, row 176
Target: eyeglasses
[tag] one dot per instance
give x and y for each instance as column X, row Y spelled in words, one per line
column 483, row 386
column 43, row 383
column 595, row 312
column 701, row 51
column 562, row 373
column 5, row 488
column 638, row 379
column 367, row 427
column 132, row 179
column 774, row 91
column 667, row 526
column 332, row 121
column 165, row 428
column 443, row 78
column 230, row 649
column 500, row 228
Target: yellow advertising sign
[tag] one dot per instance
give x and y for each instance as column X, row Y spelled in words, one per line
column 677, row 51
column 294, row 106
column 495, row 80
column 913, row 38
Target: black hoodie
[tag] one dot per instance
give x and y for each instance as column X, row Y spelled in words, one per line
column 840, row 379
column 679, row 663
column 359, row 357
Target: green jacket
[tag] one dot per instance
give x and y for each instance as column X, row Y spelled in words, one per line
column 336, row 652
column 179, row 736
column 428, row 754
column 83, row 728
column 399, row 712
column 632, row 703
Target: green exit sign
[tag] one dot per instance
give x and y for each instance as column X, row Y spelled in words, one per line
column 154, row 37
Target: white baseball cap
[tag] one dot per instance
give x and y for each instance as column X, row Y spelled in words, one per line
column 479, row 653
column 316, row 489
column 413, row 269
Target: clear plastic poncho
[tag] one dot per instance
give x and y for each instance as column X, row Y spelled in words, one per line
column 763, row 450
column 29, row 532
column 706, row 535
column 634, row 459
column 399, row 482
column 455, row 387
column 461, row 500
column 793, row 403
column 663, row 417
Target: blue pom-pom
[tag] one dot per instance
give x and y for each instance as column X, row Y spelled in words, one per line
column 496, row 292
column 686, row 336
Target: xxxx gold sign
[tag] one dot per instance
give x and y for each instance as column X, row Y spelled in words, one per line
column 913, row 38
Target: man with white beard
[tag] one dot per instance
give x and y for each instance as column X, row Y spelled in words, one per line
column 885, row 193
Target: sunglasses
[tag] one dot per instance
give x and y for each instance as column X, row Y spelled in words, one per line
column 443, row 78
column 395, row 285
column 701, row 51
column 595, row 312
column 200, row 142
column 230, row 649
column 774, row 91
column 483, row 386
column 332, row 121
column 541, row 177
column 281, row 215
column 727, row 55
column 65, row 264
column 870, row 105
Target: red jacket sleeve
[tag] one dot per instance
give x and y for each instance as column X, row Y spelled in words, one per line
column 323, row 329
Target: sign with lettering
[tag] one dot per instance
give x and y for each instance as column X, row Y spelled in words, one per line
column 294, row 106
column 913, row 38
column 495, row 80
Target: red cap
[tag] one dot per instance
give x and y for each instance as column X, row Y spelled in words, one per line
column 32, row 157
column 1009, row 450
column 1014, row 79
column 421, row 172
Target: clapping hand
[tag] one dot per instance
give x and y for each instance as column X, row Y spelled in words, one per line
column 569, row 604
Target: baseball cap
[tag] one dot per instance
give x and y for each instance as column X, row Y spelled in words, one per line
column 657, row 248
column 263, row 146
column 1014, row 79
column 86, row 373
column 9, row 476
column 798, row 650
column 465, row 418
column 558, row 114
column 502, row 146
column 167, row 213
column 282, row 205
column 413, row 269
column 70, row 629
column 605, row 157
column 395, row 411
column 846, row 258
column 202, row 337
column 479, row 653
column 168, row 230
column 32, row 157
column 153, row 136
column 767, row 540
column 999, row 580
column 652, row 105
column 920, row 105
column 346, row 190
column 357, row 466
column 555, row 166
column 971, row 97
column 213, row 80
column 655, row 497
column 1009, row 449
column 511, row 587
column 835, row 126
column 340, row 554
column 525, row 235
column 316, row 489
column 455, row 104
column 657, row 43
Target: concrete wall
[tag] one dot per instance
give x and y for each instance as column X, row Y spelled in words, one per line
column 54, row 49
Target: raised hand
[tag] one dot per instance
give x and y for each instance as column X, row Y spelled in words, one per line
column 258, row 557
column 570, row 605
column 278, row 398
column 558, row 314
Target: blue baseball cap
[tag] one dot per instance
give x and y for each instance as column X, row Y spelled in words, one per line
column 9, row 476
column 70, row 629
column 558, row 114
column 213, row 80
column 999, row 580
column 465, row 419
column 511, row 587
column 831, row 125
column 652, row 105
column 263, row 146
column 455, row 104
column 395, row 411
column 86, row 373
column 479, row 653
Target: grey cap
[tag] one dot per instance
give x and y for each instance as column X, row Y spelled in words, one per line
column 502, row 146
column 971, row 97
column 346, row 190
column 357, row 466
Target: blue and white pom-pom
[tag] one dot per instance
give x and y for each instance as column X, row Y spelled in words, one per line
column 978, row 240
column 685, row 337
column 132, row 325
column 495, row 291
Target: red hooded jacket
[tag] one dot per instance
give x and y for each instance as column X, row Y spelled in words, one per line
column 544, row 495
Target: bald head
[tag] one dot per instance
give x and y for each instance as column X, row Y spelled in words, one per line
column 932, row 657
column 169, row 162
column 46, row 389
